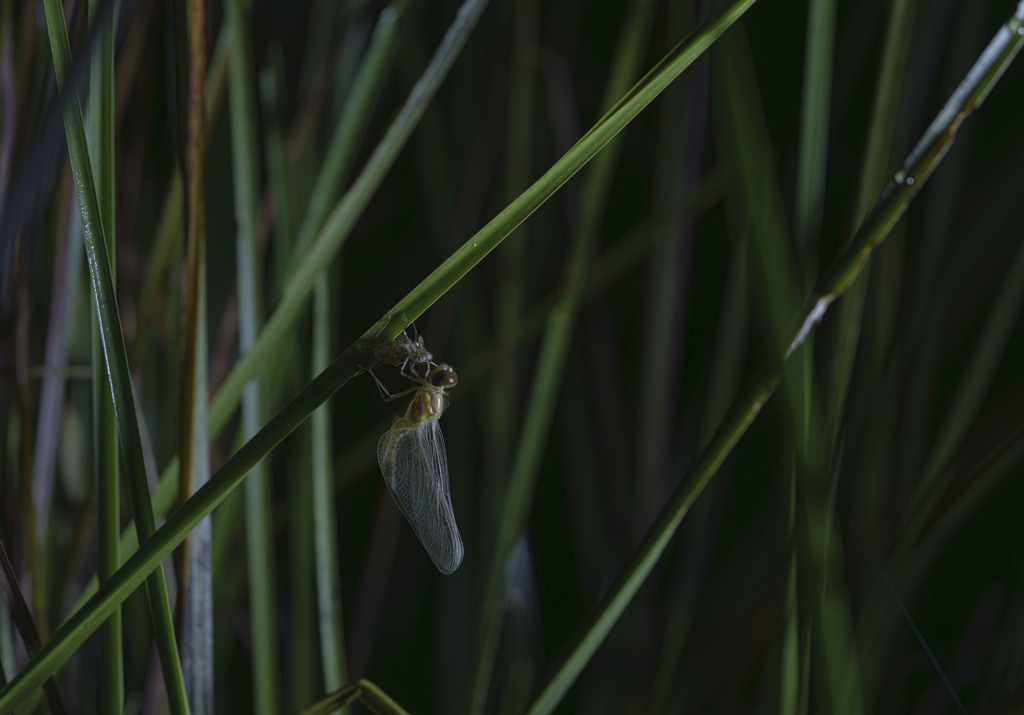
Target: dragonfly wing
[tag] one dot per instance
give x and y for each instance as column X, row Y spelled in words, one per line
column 415, row 469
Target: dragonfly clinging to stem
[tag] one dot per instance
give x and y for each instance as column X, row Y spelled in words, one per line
column 415, row 466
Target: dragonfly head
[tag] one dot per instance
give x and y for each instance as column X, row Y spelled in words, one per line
column 443, row 376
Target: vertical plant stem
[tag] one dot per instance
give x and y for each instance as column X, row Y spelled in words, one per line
column 325, row 527
column 355, row 115
column 195, row 581
column 504, row 402
column 815, row 108
column 258, row 514
column 877, row 163
column 114, row 350
column 100, row 111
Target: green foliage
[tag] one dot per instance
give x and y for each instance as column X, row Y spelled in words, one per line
column 682, row 482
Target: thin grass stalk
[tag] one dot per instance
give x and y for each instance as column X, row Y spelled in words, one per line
column 747, row 148
column 509, row 300
column 791, row 686
column 300, row 659
column 320, row 530
column 114, row 349
column 812, row 154
column 195, row 578
column 351, row 125
column 272, row 98
column 259, row 528
column 169, row 228
column 66, row 272
column 812, row 159
column 300, row 654
column 689, row 571
column 554, row 351
column 100, row 116
column 680, row 139
column 723, row 382
column 325, row 520
column 682, row 135
column 59, row 325
column 874, row 172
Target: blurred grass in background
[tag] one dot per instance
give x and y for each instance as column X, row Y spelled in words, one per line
column 860, row 551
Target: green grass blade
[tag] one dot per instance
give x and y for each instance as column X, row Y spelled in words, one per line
column 812, row 159
column 815, row 106
column 681, row 135
column 351, row 125
column 325, row 519
column 195, row 578
column 258, row 501
column 100, row 125
column 877, row 164
column 747, row 148
column 503, row 406
column 272, row 99
column 169, row 230
column 114, row 349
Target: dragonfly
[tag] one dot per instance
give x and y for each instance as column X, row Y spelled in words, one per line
column 414, row 463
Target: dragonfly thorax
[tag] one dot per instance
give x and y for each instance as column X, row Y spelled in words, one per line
column 427, row 405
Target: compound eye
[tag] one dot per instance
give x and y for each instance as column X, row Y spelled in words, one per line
column 444, row 376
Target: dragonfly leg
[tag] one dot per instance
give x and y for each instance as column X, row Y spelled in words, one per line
column 385, row 393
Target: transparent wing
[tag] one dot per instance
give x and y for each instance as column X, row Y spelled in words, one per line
column 415, row 468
